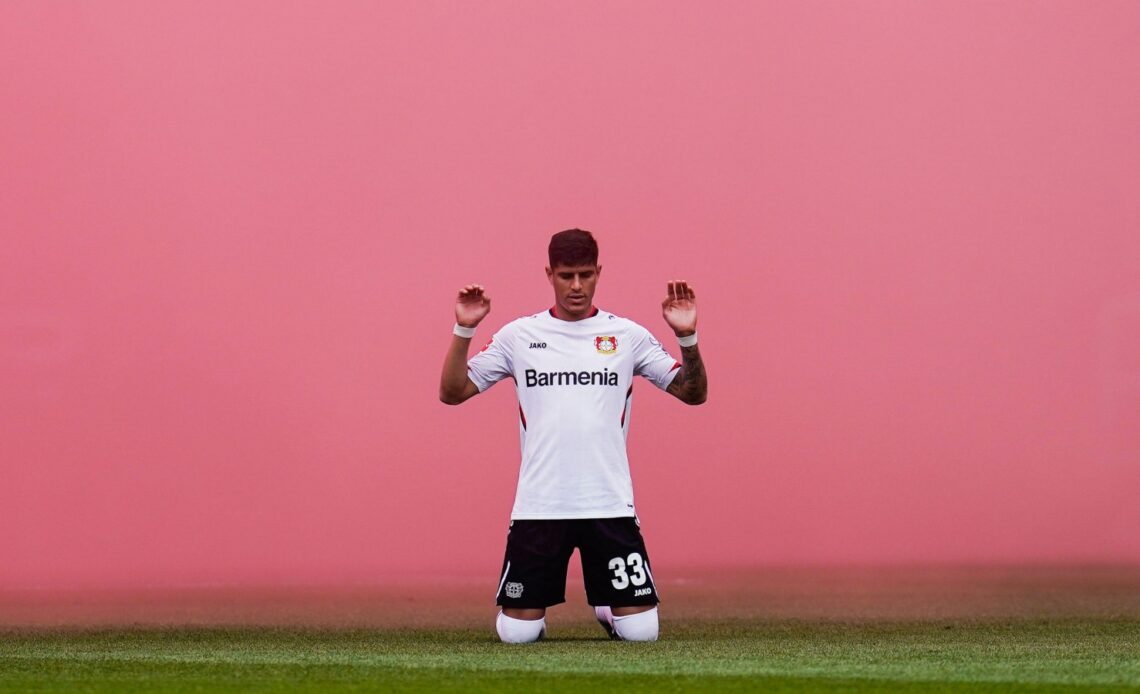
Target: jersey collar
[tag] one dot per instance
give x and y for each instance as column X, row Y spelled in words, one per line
column 555, row 317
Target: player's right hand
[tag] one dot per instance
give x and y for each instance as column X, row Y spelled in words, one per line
column 472, row 305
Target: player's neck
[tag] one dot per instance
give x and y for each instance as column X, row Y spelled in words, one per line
column 562, row 314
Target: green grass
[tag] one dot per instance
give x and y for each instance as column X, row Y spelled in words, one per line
column 1046, row 655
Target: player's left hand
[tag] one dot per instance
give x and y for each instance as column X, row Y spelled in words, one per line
column 680, row 308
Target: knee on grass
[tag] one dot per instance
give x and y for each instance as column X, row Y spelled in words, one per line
column 642, row 626
column 513, row 630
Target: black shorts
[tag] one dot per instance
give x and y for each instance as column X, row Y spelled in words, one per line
column 615, row 566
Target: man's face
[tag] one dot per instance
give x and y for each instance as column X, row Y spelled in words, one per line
column 574, row 288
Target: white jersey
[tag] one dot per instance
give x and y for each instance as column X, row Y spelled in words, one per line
column 574, row 381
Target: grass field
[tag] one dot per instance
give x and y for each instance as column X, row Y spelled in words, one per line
column 900, row 630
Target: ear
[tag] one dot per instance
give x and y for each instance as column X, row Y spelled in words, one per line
column 599, row 272
column 550, row 276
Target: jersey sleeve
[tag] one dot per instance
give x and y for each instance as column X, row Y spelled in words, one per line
column 653, row 362
column 493, row 363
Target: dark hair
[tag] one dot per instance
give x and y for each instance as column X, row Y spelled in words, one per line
column 573, row 247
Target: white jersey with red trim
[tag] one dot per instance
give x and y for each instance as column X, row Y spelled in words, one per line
column 574, row 381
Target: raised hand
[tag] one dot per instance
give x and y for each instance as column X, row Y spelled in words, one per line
column 472, row 305
column 680, row 308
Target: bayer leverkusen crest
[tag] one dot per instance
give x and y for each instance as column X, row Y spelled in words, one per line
column 605, row 344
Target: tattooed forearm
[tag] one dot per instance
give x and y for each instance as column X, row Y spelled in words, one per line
column 690, row 386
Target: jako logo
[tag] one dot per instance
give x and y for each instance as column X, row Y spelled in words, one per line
column 571, row 378
column 538, row 345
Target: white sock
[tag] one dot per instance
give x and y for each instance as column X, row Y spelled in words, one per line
column 604, row 614
column 642, row 626
column 513, row 630
column 605, row 617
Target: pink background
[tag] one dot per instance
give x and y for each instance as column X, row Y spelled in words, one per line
column 232, row 234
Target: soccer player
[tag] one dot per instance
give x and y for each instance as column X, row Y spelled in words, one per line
column 573, row 367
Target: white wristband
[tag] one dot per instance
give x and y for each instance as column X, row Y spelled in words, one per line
column 463, row 331
column 688, row 340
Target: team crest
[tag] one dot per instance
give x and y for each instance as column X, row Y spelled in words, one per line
column 514, row 590
column 605, row 344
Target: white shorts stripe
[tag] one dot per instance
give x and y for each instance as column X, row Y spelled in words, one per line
column 651, row 581
column 505, row 572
